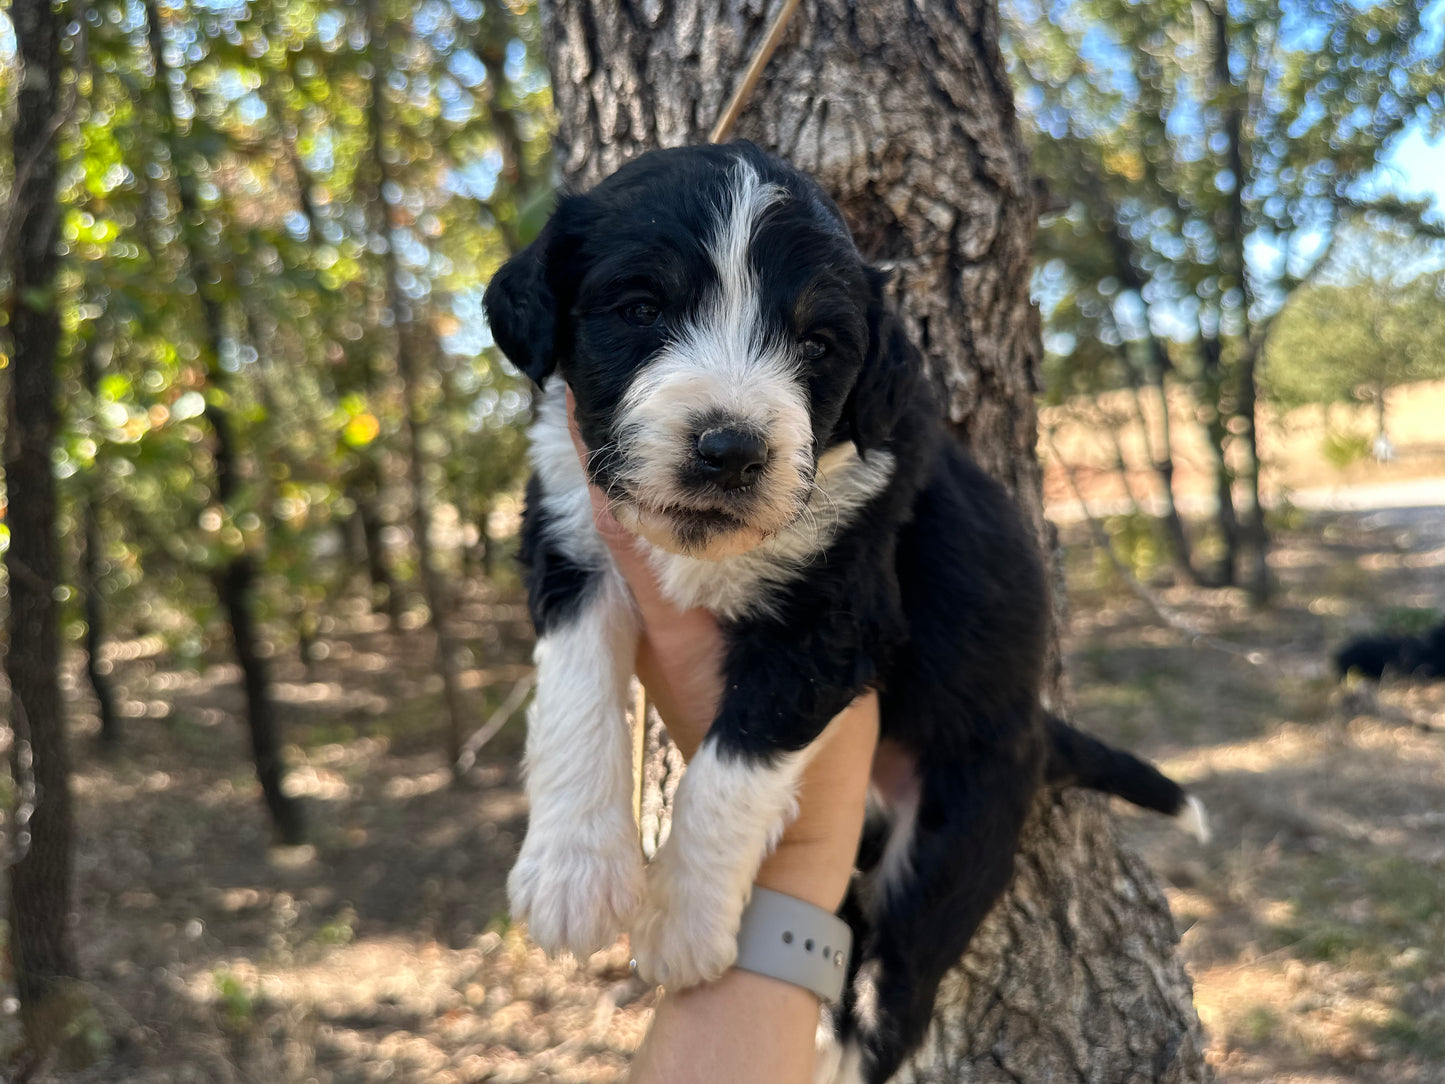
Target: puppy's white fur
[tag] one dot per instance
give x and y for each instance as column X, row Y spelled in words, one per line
column 730, row 813
column 835, row 1062
column 1195, row 819
column 896, row 865
column 564, row 484
column 733, row 587
column 579, row 878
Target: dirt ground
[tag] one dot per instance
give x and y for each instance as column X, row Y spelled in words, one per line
column 1314, row 923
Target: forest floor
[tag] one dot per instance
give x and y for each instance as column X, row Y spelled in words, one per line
column 1314, row 923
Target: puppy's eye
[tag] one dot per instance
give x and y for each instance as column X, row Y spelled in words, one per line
column 813, row 349
column 641, row 313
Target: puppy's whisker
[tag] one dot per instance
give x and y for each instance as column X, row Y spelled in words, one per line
column 603, row 459
column 833, row 509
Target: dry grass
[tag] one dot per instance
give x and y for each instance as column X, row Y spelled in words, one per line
column 1293, row 444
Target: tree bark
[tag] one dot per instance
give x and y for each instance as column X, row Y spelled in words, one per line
column 40, row 941
column 904, row 112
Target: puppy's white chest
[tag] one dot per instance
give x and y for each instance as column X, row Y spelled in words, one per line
column 730, row 588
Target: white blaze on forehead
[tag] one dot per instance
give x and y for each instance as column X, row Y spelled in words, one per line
column 722, row 363
column 750, row 198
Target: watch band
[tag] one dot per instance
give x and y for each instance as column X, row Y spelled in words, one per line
column 798, row 942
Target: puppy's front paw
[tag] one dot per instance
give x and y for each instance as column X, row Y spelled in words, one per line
column 576, row 898
column 687, row 932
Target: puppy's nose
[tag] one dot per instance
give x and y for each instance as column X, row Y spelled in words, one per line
column 731, row 458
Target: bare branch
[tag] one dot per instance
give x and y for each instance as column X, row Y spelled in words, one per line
column 500, row 718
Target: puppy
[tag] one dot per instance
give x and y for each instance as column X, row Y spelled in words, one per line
column 757, row 417
column 1410, row 656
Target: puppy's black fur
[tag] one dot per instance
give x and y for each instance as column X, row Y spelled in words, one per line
column 933, row 594
column 1410, row 656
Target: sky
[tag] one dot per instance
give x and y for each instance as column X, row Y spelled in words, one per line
column 1416, row 167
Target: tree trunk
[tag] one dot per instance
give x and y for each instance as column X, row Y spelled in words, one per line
column 1126, row 266
column 1161, row 458
column 41, row 944
column 904, row 112
column 1232, row 238
column 91, row 565
column 363, row 487
column 95, row 667
column 1256, row 529
column 1215, row 402
column 235, row 581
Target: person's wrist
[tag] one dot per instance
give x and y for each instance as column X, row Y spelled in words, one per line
column 814, row 859
column 807, row 872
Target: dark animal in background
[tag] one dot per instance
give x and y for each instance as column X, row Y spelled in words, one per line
column 757, row 416
column 1409, row 656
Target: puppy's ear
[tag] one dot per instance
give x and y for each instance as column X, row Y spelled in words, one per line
column 522, row 307
column 890, row 376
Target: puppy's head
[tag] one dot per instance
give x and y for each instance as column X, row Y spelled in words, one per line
column 719, row 331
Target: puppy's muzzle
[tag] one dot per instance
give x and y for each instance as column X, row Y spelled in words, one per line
column 730, row 458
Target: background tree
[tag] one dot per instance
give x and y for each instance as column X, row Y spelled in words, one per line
column 224, row 266
column 1376, row 321
column 235, row 575
column 1204, row 156
column 40, row 939
column 905, row 114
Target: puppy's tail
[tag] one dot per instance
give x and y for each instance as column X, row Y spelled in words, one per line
column 1080, row 760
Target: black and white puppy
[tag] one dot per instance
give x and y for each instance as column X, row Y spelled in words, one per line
column 1410, row 656
column 759, row 420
